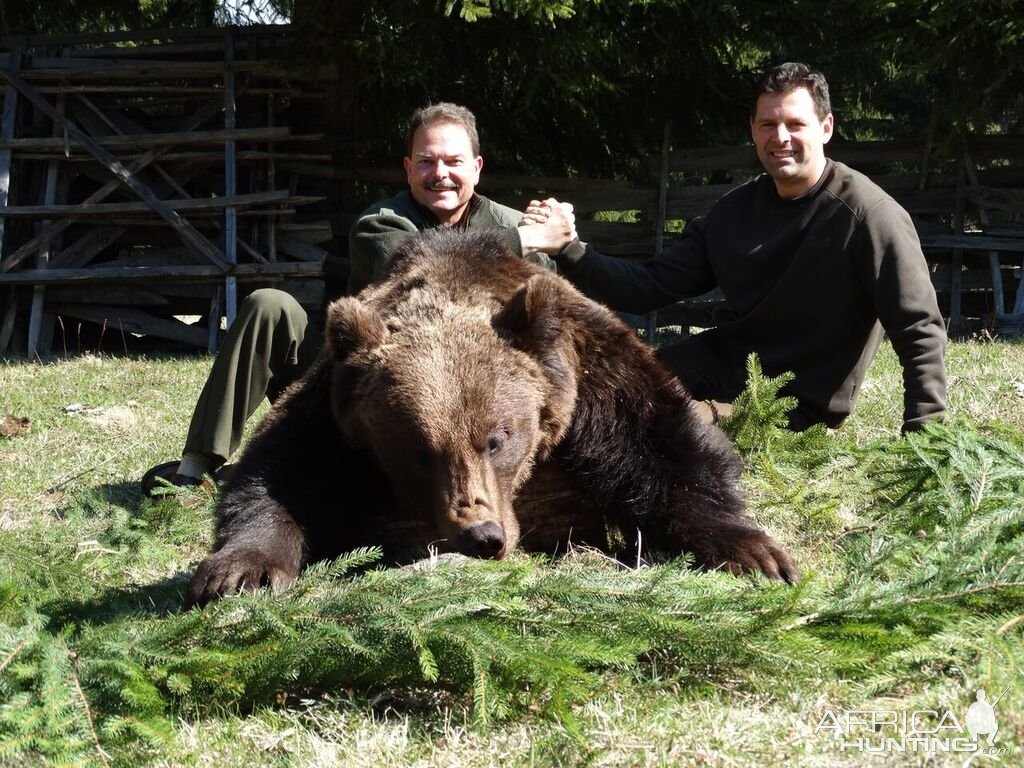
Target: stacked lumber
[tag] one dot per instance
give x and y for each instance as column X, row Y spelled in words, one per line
column 147, row 179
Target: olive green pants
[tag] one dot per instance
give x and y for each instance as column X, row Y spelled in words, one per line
column 270, row 344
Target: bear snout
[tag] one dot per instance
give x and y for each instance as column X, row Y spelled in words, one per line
column 483, row 540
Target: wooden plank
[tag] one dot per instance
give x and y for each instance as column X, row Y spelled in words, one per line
column 617, row 239
column 35, row 319
column 186, row 231
column 854, row 153
column 132, row 89
column 243, row 155
column 955, row 326
column 213, row 325
column 973, row 242
column 7, row 325
column 298, row 248
column 197, row 273
column 198, row 118
column 971, row 280
column 138, row 36
column 689, row 202
column 91, row 210
column 998, row 296
column 134, row 321
column 310, row 232
column 660, row 217
column 271, row 183
column 230, row 179
column 146, row 140
column 52, row 66
column 87, row 247
column 6, row 134
column 1010, row 200
column 155, row 257
column 141, row 72
column 106, row 294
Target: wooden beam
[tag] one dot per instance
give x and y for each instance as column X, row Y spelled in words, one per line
column 184, row 138
column 995, row 269
column 7, row 324
column 188, row 273
column 189, row 234
column 230, row 179
column 298, row 248
column 132, row 89
column 92, row 210
column 246, row 155
column 6, row 134
column 134, row 321
column 973, row 242
column 148, row 35
column 271, row 183
column 956, row 326
column 36, row 319
column 52, row 66
column 82, row 251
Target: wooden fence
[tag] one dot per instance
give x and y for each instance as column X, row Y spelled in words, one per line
column 144, row 176
column 967, row 204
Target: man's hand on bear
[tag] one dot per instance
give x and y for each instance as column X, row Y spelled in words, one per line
column 238, row 569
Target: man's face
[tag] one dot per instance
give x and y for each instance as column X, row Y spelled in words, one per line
column 442, row 170
column 790, row 139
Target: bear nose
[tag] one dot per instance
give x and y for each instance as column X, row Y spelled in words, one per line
column 484, row 540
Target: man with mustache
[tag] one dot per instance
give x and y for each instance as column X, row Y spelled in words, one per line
column 272, row 341
column 815, row 262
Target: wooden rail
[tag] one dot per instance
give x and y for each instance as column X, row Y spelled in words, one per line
column 214, row 192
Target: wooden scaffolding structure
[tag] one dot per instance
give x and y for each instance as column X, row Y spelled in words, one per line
column 145, row 176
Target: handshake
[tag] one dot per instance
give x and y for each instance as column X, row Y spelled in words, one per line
column 547, row 226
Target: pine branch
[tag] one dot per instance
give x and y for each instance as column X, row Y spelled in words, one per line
column 103, row 756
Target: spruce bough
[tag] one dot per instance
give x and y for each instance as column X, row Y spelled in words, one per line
column 929, row 576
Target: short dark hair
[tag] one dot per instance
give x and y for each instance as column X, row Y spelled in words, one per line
column 445, row 112
column 787, row 77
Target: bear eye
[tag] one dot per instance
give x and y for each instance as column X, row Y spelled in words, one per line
column 424, row 458
column 496, row 442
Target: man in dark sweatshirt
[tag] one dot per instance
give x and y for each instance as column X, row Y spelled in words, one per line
column 815, row 262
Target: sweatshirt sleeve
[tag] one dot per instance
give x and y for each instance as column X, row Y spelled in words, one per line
column 372, row 241
column 905, row 303
column 681, row 271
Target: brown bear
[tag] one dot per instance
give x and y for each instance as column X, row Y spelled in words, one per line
column 439, row 393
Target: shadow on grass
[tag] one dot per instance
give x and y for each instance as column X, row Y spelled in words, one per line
column 120, row 536
column 157, row 600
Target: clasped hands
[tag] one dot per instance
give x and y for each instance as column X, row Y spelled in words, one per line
column 547, row 225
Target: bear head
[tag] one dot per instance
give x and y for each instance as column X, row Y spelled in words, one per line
column 455, row 396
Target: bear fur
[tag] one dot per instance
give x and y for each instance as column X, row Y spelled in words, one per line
column 468, row 377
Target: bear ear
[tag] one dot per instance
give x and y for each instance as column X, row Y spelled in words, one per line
column 534, row 321
column 351, row 324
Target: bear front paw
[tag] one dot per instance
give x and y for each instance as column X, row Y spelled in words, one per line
column 750, row 551
column 238, row 570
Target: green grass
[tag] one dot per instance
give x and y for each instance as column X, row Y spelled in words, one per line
column 905, row 606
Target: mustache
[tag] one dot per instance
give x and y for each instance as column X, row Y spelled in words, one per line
column 442, row 185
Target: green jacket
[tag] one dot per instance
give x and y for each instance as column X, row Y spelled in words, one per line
column 382, row 227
